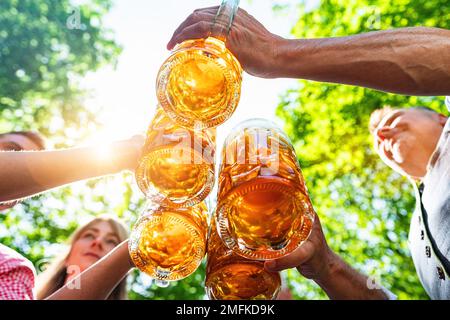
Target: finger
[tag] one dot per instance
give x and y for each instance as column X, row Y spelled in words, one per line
column 189, row 21
column 293, row 260
column 209, row 9
column 196, row 31
column 197, row 16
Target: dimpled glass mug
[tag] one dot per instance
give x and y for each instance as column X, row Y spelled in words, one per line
column 263, row 211
column 232, row 277
column 177, row 166
column 200, row 83
column 169, row 243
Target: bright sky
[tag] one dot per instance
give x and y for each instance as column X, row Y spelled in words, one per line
column 143, row 28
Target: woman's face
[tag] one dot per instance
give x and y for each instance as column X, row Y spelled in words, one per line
column 94, row 243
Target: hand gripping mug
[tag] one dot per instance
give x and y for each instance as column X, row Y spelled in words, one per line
column 200, row 83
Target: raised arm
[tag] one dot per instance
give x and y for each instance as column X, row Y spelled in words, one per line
column 98, row 281
column 412, row 61
column 315, row 261
column 27, row 173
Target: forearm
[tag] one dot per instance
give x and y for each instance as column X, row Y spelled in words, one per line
column 24, row 174
column 413, row 61
column 97, row 282
column 345, row 283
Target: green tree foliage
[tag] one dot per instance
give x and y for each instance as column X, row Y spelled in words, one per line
column 43, row 58
column 364, row 206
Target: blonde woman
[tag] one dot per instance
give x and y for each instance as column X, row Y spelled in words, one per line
column 89, row 244
column 34, row 170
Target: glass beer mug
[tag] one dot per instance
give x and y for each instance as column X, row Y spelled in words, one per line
column 169, row 244
column 232, row 277
column 200, row 83
column 177, row 166
column 264, row 211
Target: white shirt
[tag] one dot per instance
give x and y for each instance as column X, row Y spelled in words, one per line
column 429, row 236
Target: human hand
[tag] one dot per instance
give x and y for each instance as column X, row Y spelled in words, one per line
column 129, row 151
column 252, row 44
column 313, row 259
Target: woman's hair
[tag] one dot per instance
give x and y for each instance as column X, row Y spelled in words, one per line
column 53, row 278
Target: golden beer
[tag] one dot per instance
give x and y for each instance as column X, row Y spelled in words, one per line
column 169, row 244
column 200, row 83
column 177, row 166
column 232, row 277
column 264, row 211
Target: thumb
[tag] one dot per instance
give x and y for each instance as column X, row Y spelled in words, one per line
column 292, row 260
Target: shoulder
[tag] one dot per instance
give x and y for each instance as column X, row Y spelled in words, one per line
column 10, row 259
column 17, row 275
column 447, row 102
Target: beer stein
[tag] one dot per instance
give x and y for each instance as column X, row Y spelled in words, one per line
column 169, row 244
column 177, row 166
column 232, row 277
column 200, row 83
column 264, row 211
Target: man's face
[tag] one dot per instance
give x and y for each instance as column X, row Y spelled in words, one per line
column 405, row 139
column 15, row 142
